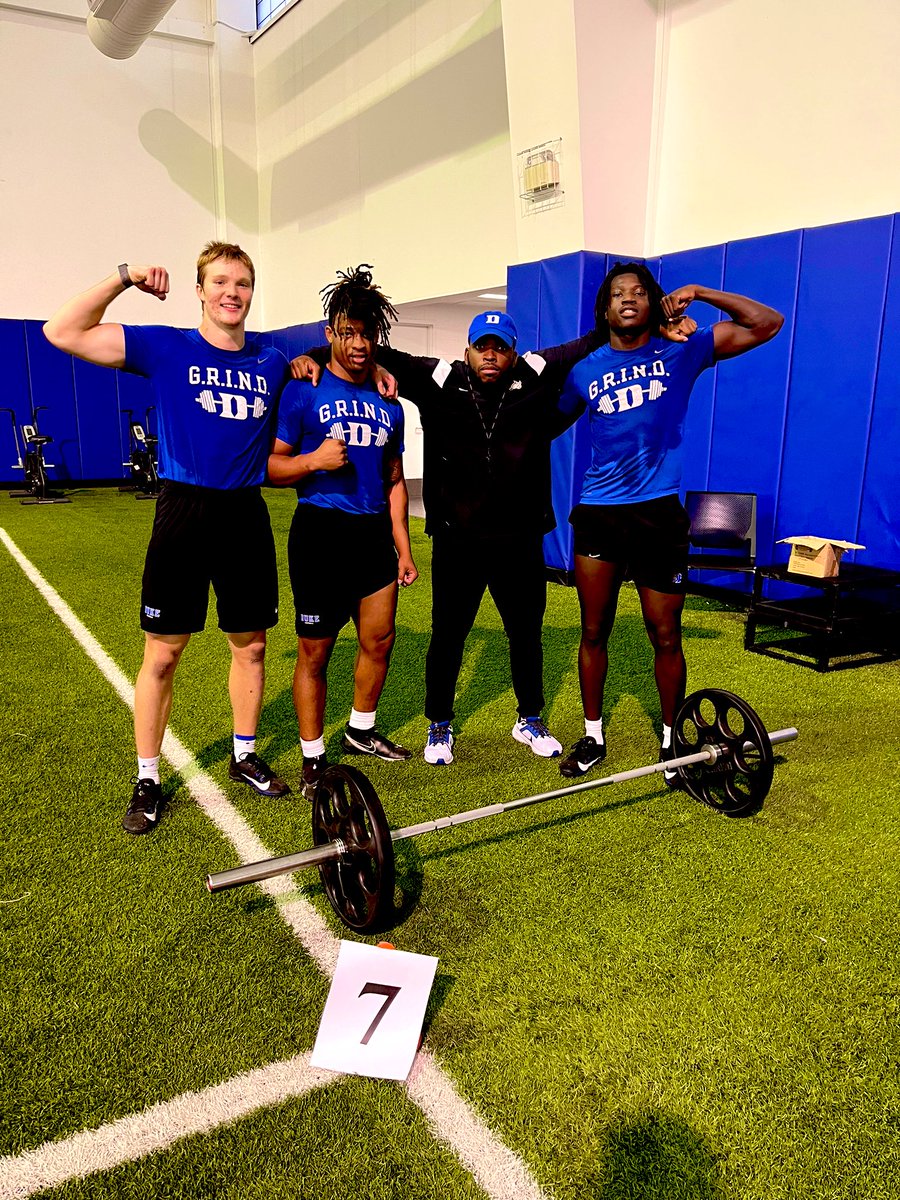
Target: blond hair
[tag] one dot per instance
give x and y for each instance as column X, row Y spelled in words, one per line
column 227, row 250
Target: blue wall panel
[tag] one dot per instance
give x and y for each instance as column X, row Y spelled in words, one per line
column 97, row 414
column 523, row 289
column 16, row 395
column 53, row 386
column 751, row 391
column 879, row 518
column 832, row 379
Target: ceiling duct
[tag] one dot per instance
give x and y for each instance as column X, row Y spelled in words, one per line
column 118, row 28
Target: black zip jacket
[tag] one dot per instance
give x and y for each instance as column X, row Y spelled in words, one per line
column 487, row 448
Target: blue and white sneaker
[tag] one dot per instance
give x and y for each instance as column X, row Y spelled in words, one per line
column 439, row 746
column 534, row 733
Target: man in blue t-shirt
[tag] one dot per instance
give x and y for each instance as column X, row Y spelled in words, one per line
column 216, row 393
column 629, row 522
column 341, row 446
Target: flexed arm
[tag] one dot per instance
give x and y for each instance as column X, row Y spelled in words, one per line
column 78, row 327
column 751, row 324
column 286, row 468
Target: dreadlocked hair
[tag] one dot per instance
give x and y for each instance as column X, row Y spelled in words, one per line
column 654, row 294
column 356, row 298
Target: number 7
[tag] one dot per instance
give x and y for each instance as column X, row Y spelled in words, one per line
column 390, row 994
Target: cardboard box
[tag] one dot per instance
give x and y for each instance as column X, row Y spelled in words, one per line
column 820, row 557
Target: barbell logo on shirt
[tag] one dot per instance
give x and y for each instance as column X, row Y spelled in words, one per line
column 356, row 434
column 623, row 399
column 232, row 405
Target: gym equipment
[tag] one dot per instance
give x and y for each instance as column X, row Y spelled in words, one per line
column 36, row 490
column 141, row 458
column 723, row 758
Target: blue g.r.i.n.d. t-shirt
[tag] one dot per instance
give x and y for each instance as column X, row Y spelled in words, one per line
column 637, row 400
column 355, row 414
column 216, row 408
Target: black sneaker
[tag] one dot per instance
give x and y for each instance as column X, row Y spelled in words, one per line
column 249, row 768
column 146, row 805
column 671, row 778
column 370, row 741
column 313, row 770
column 586, row 753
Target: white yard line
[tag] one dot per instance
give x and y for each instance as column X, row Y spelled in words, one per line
column 157, row 1127
column 500, row 1172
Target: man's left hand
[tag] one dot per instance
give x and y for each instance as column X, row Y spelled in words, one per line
column 675, row 305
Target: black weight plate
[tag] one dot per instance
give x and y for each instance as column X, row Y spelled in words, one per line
column 360, row 884
column 738, row 783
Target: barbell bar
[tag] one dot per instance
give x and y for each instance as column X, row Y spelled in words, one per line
column 728, row 765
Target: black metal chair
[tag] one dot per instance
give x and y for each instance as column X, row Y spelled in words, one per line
column 723, row 531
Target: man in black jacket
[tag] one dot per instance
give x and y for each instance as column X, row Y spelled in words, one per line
column 488, row 424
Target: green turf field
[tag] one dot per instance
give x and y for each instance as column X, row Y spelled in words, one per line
column 641, row 999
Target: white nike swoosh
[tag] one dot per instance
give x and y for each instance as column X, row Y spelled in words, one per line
column 587, row 766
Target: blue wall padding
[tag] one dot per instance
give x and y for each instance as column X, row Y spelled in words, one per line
column 16, row 393
column 97, row 402
column 810, row 421
column 523, row 288
column 53, row 384
column 879, row 517
column 832, row 380
column 85, row 405
column 751, row 391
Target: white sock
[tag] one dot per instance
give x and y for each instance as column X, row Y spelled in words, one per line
column 314, row 749
column 148, row 768
column 361, row 720
column 594, row 729
column 667, row 737
column 243, row 745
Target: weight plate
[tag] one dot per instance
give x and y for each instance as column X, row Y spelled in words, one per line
column 738, row 782
column 360, row 884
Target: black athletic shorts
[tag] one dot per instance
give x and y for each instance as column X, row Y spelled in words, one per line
column 204, row 536
column 649, row 540
column 335, row 560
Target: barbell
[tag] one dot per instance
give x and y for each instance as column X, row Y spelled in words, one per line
column 723, row 757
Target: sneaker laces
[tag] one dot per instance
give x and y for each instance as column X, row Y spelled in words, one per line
column 439, row 734
column 258, row 766
column 586, row 745
column 535, row 727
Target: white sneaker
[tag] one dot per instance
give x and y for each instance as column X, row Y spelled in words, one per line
column 534, row 733
column 439, row 746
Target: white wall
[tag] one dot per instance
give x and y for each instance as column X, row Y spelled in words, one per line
column 383, row 135
column 775, row 114
column 105, row 161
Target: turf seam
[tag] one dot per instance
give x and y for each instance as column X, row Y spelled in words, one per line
column 496, row 1168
